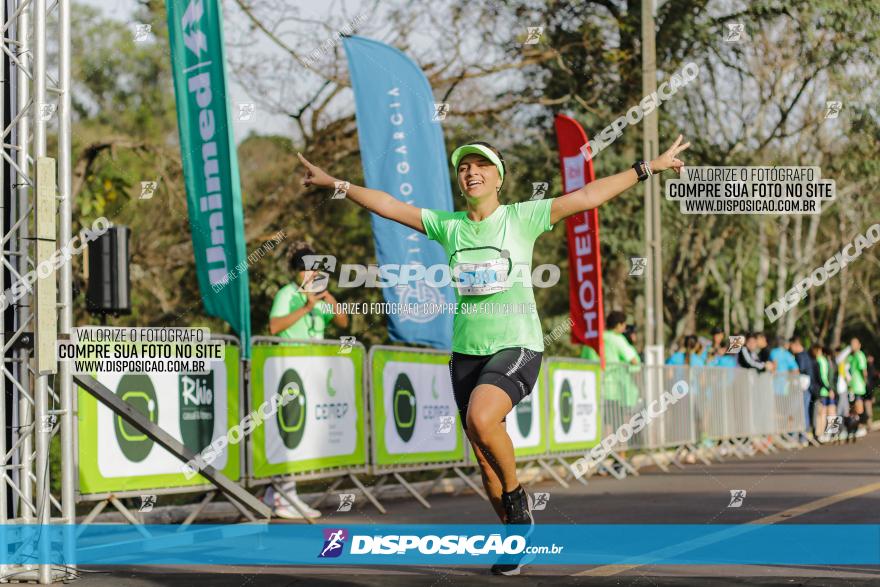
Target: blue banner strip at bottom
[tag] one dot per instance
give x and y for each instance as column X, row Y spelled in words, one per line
column 294, row 544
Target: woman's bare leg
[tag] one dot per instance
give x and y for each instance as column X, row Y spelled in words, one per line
column 491, row 481
column 488, row 406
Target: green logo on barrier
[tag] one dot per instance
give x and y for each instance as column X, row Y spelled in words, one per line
column 524, row 415
column 331, row 391
column 566, row 404
column 196, row 410
column 138, row 392
column 404, row 402
column 434, row 393
column 292, row 416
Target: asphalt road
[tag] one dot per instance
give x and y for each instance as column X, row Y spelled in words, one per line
column 816, row 485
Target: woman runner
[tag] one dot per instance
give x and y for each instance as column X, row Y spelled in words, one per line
column 495, row 358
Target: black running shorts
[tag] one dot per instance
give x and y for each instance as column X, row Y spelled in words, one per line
column 514, row 370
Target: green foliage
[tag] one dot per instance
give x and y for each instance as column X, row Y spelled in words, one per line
column 587, row 65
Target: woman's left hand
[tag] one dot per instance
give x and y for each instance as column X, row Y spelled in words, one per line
column 669, row 159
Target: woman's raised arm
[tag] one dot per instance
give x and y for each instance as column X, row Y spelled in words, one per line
column 382, row 203
column 596, row 193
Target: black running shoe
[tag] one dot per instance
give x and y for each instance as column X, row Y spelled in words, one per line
column 510, row 569
column 518, row 507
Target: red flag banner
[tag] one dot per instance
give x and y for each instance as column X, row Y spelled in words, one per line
column 584, row 259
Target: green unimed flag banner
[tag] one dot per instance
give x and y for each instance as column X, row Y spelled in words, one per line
column 210, row 166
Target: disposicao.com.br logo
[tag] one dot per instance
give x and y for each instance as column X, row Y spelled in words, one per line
column 450, row 544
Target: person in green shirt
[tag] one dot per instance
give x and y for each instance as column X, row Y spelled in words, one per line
column 590, row 354
column 827, row 399
column 858, row 370
column 496, row 356
column 619, row 391
column 301, row 310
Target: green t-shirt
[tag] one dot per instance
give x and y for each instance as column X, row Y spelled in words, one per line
column 589, row 353
column 312, row 325
column 619, row 385
column 480, row 254
column 824, row 368
column 858, row 363
column 618, row 349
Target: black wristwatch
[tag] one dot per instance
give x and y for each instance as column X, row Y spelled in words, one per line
column 643, row 170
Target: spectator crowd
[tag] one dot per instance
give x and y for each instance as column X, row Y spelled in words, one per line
column 838, row 385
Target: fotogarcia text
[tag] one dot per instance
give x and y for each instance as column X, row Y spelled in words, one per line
column 449, row 544
column 823, row 273
column 24, row 285
column 234, row 435
column 629, row 429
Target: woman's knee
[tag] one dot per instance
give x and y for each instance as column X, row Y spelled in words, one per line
column 481, row 426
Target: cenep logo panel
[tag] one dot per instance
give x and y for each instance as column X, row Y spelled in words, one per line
column 136, row 390
column 292, row 416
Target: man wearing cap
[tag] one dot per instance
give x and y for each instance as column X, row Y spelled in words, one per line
column 301, row 310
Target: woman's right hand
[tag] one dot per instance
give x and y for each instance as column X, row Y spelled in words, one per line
column 315, row 175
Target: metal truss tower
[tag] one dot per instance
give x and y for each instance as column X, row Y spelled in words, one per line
column 37, row 403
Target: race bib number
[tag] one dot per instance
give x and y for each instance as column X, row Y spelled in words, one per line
column 480, row 279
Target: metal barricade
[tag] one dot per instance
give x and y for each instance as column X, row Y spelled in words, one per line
column 413, row 418
column 93, row 484
column 791, row 415
column 279, row 450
